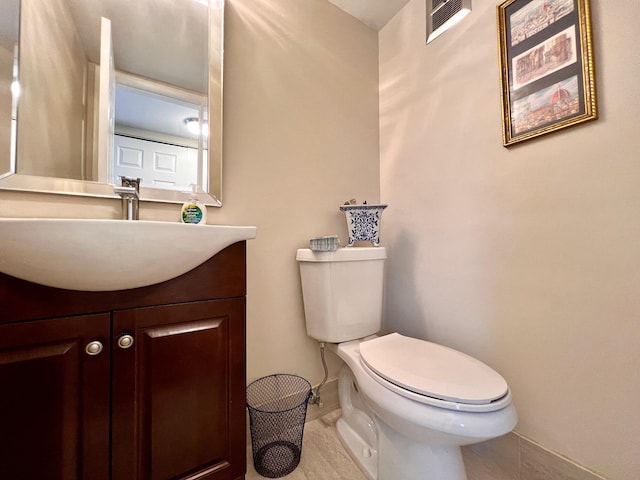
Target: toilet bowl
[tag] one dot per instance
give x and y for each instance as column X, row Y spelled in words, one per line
column 393, row 436
column 408, row 405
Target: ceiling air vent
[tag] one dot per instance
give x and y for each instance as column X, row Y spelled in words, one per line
column 444, row 14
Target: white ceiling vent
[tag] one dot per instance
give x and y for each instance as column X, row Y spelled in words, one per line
column 444, row 14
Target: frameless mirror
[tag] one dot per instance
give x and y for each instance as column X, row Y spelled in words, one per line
column 92, row 90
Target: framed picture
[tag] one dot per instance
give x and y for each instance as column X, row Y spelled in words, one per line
column 546, row 65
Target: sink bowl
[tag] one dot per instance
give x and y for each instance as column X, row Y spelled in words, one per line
column 104, row 255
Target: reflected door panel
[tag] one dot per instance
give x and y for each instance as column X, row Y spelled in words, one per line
column 159, row 165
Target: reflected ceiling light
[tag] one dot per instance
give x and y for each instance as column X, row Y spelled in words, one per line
column 15, row 84
column 15, row 88
column 193, row 125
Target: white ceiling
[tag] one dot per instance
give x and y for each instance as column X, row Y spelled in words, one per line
column 161, row 39
column 373, row 13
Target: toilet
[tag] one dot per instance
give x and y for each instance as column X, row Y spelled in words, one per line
column 408, row 405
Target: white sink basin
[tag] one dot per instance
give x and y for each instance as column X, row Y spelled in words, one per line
column 103, row 255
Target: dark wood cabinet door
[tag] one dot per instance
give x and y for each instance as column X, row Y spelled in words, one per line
column 54, row 399
column 178, row 392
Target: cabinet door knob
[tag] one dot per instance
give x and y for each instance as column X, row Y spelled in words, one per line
column 125, row 341
column 93, row 348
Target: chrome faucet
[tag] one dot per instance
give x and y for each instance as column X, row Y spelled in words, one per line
column 130, row 193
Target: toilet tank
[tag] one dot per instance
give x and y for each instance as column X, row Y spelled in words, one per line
column 342, row 292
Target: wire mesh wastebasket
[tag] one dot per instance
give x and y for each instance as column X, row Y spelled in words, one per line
column 277, row 411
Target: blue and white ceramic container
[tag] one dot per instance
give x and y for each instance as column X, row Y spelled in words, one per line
column 363, row 223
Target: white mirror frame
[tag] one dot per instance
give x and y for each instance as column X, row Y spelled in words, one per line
column 30, row 183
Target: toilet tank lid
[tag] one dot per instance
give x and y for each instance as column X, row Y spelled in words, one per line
column 344, row 254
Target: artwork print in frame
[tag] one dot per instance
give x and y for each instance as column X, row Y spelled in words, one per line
column 546, row 65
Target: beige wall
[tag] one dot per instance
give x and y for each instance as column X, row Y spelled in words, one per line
column 52, row 71
column 300, row 138
column 527, row 257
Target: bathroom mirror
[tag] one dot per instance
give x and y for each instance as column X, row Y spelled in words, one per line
column 166, row 61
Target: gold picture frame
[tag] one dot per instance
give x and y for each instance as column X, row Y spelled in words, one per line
column 546, row 67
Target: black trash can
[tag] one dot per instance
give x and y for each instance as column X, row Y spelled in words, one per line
column 277, row 411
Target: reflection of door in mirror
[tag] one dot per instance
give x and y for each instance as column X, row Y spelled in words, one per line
column 52, row 47
column 170, row 166
column 63, row 72
column 158, row 137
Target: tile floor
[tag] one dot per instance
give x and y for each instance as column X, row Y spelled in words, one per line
column 324, row 457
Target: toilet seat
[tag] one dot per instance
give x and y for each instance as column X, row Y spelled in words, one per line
column 433, row 374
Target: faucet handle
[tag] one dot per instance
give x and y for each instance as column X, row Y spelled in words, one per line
column 126, row 192
column 131, row 182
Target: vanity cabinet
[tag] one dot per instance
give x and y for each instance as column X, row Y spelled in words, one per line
column 142, row 384
column 54, row 400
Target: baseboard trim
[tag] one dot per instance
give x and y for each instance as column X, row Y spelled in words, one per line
column 516, row 457
column 510, row 457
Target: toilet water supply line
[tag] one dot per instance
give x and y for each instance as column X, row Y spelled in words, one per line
column 315, row 395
